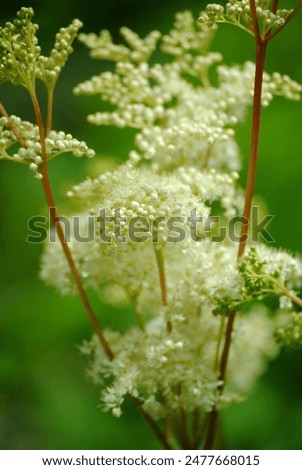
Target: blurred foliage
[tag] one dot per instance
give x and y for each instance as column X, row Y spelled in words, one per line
column 46, row 402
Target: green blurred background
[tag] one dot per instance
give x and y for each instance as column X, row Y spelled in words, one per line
column 46, row 402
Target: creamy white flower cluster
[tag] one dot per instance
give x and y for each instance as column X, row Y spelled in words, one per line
column 139, row 50
column 184, row 37
column 30, row 153
column 153, row 199
column 238, row 12
column 180, row 117
column 243, row 79
column 181, row 366
column 177, row 373
column 186, row 158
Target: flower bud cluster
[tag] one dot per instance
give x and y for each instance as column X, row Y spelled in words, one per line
column 263, row 272
column 30, row 153
column 19, row 49
column 184, row 38
column 238, row 12
column 49, row 68
column 290, row 335
column 21, row 61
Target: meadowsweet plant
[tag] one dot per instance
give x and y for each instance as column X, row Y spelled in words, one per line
column 202, row 331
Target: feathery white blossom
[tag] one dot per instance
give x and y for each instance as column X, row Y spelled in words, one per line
column 139, row 50
column 181, row 368
column 182, row 120
column 185, row 158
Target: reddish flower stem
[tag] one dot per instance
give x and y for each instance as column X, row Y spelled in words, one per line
column 56, row 222
column 261, row 48
column 254, row 146
column 155, row 428
column 12, row 127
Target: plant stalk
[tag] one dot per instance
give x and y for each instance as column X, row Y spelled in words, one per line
column 261, row 48
column 160, row 435
column 49, row 111
column 56, row 222
column 12, row 127
column 162, row 281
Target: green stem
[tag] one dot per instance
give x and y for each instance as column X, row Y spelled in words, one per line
column 239, row 25
column 293, row 297
column 283, row 290
column 140, row 319
column 196, row 429
column 49, row 111
column 220, row 336
column 162, row 280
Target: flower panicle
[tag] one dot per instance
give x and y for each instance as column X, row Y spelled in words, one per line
column 21, row 60
column 238, row 13
column 49, row 68
column 19, row 50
